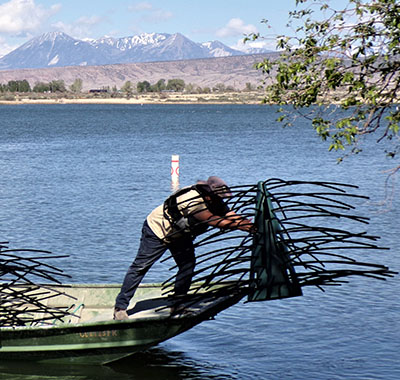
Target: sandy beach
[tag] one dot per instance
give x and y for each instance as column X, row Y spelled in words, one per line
column 149, row 98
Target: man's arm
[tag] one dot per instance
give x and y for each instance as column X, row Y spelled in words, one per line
column 231, row 220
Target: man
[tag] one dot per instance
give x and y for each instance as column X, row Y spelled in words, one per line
column 173, row 226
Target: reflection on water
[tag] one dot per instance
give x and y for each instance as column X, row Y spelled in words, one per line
column 156, row 363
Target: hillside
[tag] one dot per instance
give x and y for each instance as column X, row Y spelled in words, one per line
column 233, row 71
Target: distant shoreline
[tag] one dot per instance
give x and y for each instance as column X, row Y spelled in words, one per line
column 149, row 98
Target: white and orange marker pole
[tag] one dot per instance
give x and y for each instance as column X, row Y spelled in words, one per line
column 175, row 171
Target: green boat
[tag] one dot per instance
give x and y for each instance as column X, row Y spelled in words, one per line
column 89, row 334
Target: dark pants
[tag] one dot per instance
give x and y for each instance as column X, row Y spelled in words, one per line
column 150, row 250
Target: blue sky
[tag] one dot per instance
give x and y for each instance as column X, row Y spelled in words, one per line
column 200, row 20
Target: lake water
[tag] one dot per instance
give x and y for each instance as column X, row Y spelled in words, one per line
column 80, row 179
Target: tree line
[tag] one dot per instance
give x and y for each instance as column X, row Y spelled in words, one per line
column 24, row 86
column 128, row 88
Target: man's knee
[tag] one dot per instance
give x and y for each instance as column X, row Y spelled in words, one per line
column 138, row 268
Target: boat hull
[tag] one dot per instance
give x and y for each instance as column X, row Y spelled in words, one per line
column 92, row 337
column 89, row 343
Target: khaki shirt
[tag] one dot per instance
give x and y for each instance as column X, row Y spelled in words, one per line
column 188, row 204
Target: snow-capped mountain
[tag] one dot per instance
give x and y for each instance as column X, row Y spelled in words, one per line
column 56, row 49
column 126, row 43
column 50, row 50
column 218, row 49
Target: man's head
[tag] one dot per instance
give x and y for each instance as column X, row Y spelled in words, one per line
column 218, row 186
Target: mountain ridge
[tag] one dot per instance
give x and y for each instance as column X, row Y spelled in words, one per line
column 57, row 49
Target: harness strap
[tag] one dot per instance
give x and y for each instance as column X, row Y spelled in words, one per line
column 170, row 209
column 182, row 224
